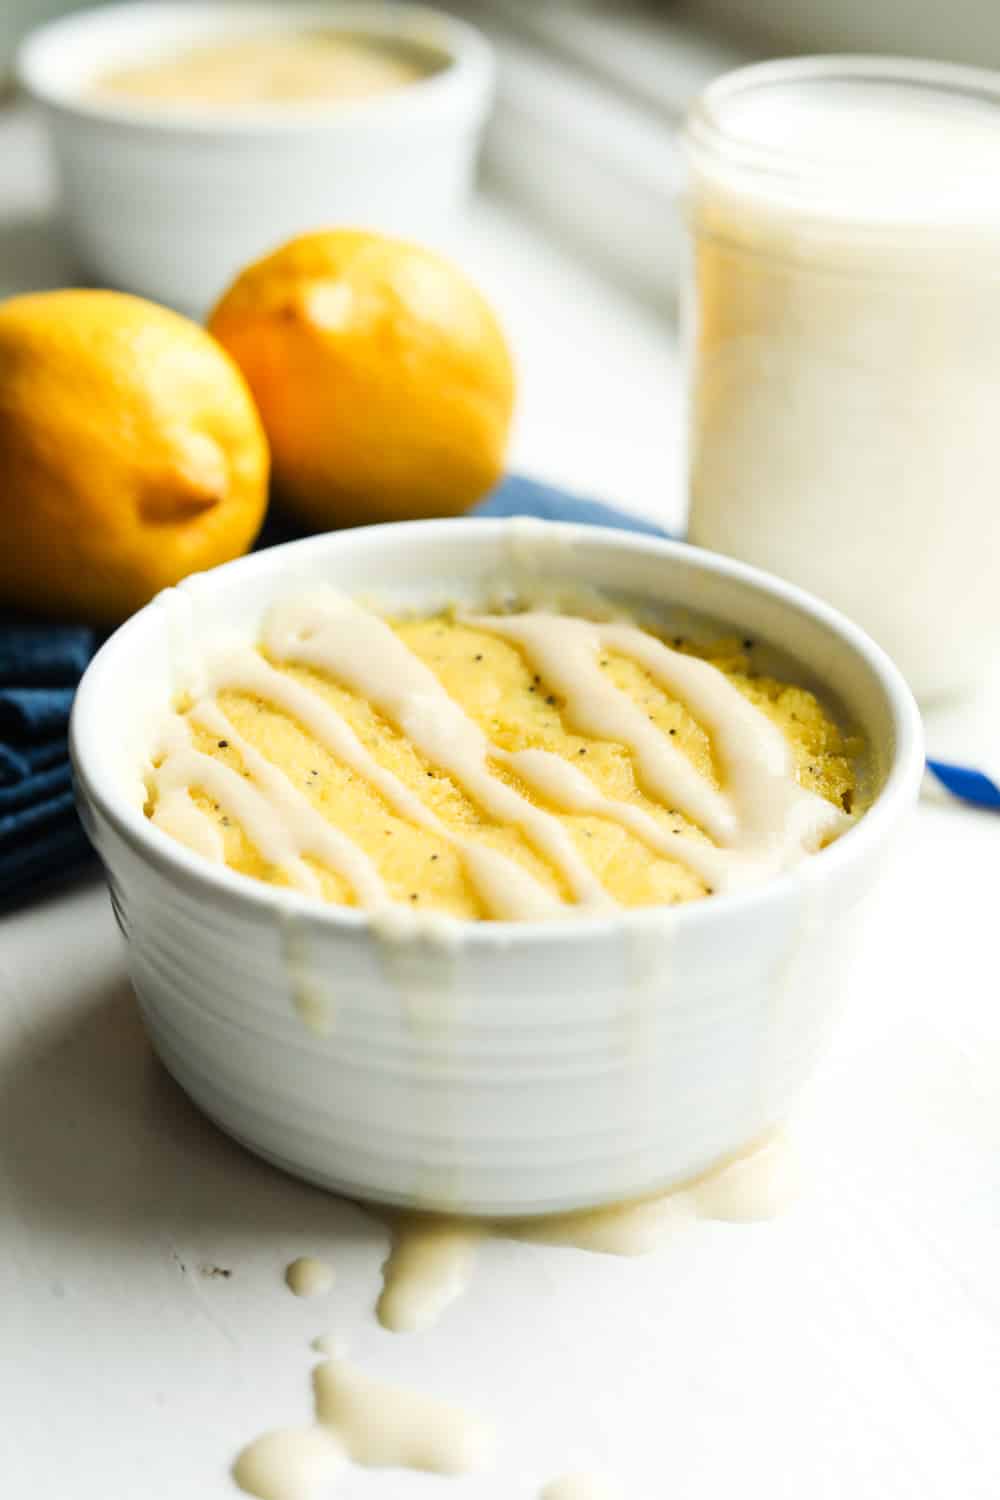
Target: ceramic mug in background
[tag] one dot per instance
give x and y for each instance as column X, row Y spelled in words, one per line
column 18, row 17
column 843, row 338
column 171, row 202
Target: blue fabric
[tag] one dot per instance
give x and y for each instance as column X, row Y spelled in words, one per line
column 526, row 497
column 43, row 656
column 41, row 840
column 31, row 715
column 16, row 764
column 34, row 790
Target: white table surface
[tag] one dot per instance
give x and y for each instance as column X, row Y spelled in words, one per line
column 848, row 1351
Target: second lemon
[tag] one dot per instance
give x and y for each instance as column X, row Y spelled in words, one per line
column 383, row 378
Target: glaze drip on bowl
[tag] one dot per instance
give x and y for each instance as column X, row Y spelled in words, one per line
column 502, row 767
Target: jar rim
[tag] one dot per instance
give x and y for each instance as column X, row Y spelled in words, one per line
column 706, row 117
column 893, row 181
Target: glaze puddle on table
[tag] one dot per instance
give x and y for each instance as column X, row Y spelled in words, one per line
column 360, row 1420
column 363, row 1421
column 433, row 1256
column 330, row 1344
column 580, row 1487
column 293, row 1464
column 309, row 1277
column 428, row 1268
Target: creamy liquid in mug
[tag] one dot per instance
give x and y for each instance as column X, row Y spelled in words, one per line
column 307, row 67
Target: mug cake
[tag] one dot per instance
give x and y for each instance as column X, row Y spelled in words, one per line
column 391, row 929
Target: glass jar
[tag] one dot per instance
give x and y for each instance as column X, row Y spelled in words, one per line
column 842, row 326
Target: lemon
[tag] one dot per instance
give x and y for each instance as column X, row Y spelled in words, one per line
column 383, row 379
column 131, row 453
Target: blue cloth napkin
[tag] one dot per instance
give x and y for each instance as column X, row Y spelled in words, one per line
column 41, row 841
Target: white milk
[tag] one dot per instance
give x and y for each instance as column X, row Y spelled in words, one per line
column 843, row 323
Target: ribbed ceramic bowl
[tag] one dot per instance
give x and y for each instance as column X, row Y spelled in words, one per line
column 525, row 1068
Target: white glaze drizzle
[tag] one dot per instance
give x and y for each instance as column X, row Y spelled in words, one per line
column 309, row 831
column 177, row 815
column 572, row 791
column 260, row 816
column 174, row 811
column 331, row 633
column 243, row 670
column 568, row 661
column 761, row 820
column 508, row 891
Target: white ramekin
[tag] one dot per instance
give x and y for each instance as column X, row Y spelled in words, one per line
column 171, row 203
column 527, row 1068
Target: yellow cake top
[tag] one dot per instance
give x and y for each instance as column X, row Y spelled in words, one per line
column 505, row 767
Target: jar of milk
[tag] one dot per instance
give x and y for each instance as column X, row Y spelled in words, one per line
column 843, row 335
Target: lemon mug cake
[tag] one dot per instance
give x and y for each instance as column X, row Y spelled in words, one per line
column 427, row 952
column 499, row 766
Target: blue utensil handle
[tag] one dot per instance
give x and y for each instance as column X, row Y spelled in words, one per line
column 967, row 784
